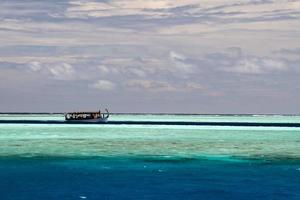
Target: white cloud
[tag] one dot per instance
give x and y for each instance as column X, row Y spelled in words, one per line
column 257, row 65
column 164, row 86
column 130, row 65
column 62, row 71
column 177, row 57
column 103, row 85
column 59, row 71
column 104, row 69
column 35, row 66
column 150, row 85
column 137, row 72
column 181, row 64
column 194, row 86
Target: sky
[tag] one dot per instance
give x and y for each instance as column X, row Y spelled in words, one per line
column 157, row 56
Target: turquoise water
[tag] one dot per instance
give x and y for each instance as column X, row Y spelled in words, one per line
column 137, row 140
column 50, row 161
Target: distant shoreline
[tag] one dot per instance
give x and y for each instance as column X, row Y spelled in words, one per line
column 184, row 123
column 61, row 113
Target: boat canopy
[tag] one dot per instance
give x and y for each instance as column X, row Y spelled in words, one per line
column 86, row 115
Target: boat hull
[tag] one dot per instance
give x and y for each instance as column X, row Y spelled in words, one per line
column 89, row 120
column 88, row 117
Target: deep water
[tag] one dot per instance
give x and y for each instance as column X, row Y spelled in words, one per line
column 143, row 178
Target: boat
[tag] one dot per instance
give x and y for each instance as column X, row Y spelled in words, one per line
column 87, row 116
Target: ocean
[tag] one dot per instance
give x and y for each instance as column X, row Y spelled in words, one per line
column 68, row 161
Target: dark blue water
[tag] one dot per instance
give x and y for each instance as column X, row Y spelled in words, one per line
column 120, row 178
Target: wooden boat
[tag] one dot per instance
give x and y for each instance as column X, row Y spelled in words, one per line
column 87, row 116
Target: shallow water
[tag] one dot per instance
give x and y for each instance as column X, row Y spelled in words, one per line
column 135, row 140
column 149, row 162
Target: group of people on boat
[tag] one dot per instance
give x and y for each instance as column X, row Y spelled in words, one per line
column 86, row 115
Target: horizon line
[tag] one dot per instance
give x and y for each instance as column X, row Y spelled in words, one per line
column 163, row 113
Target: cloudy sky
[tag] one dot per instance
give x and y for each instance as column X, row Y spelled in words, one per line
column 192, row 56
